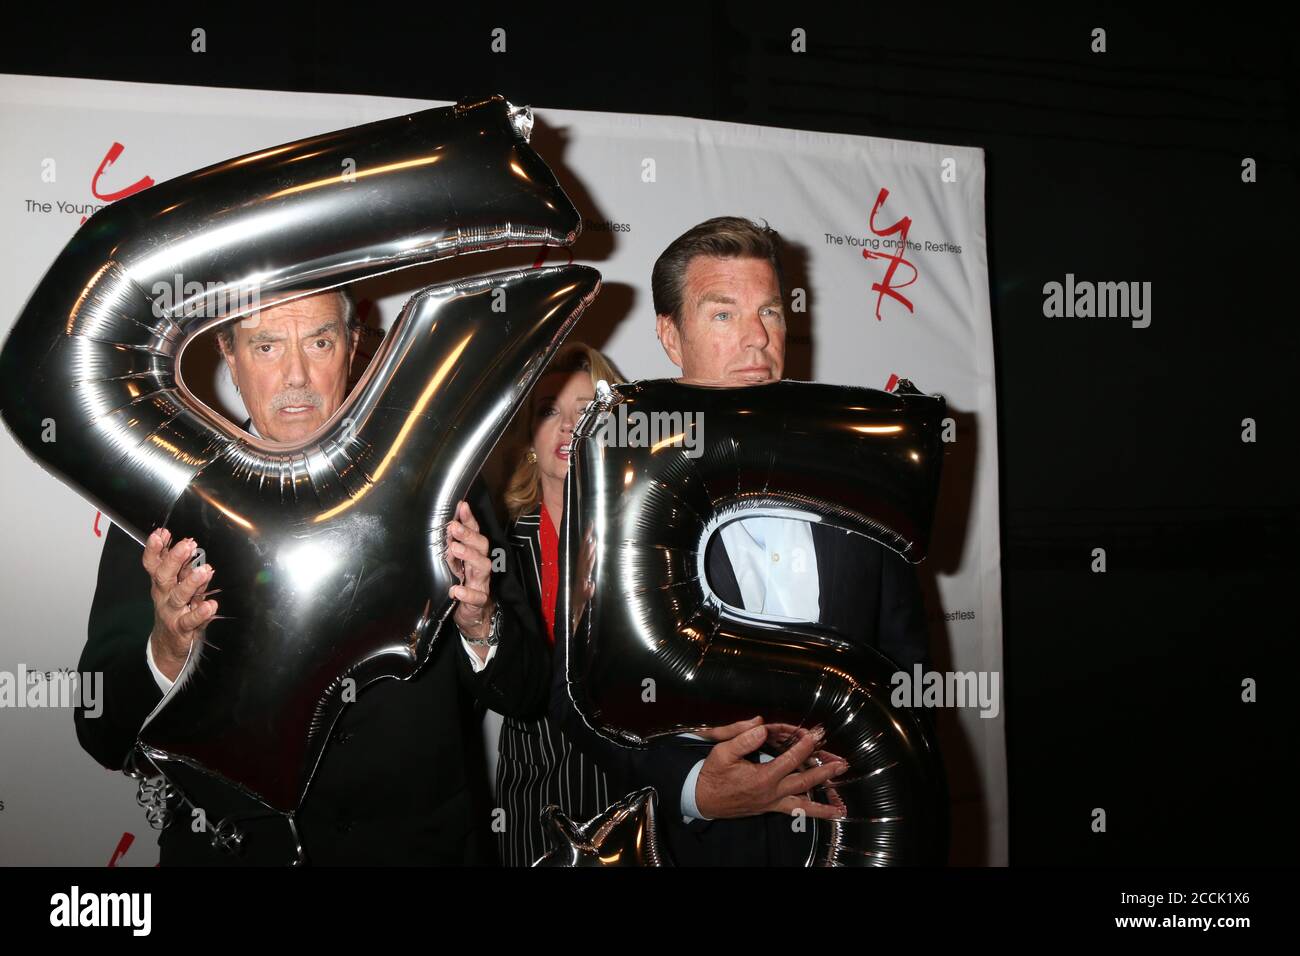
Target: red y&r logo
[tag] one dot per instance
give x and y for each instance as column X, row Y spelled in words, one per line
column 887, row 288
column 141, row 184
column 123, row 845
column 110, row 157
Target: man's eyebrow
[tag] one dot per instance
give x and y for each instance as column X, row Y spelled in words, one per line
column 265, row 336
column 724, row 299
column 720, row 297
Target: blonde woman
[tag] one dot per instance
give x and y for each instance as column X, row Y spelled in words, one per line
column 537, row 764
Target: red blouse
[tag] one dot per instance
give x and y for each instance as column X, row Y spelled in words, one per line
column 550, row 542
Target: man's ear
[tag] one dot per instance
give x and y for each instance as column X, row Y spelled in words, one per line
column 352, row 350
column 229, row 357
column 669, row 338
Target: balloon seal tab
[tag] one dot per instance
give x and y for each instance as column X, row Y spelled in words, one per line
column 521, row 118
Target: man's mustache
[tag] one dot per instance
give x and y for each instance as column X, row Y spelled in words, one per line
column 299, row 397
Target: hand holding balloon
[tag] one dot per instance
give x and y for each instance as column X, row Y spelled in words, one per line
column 731, row 786
column 467, row 553
column 176, row 621
column 781, row 736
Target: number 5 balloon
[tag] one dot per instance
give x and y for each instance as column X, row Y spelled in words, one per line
column 638, row 610
column 330, row 549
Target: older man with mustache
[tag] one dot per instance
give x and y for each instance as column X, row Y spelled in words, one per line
column 401, row 780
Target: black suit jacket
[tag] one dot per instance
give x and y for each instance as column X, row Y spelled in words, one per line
column 402, row 780
column 538, row 764
column 869, row 595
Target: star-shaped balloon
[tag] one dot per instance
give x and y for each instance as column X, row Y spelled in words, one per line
column 624, row 834
column 331, row 549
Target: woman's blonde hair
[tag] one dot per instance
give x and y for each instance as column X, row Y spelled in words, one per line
column 524, row 489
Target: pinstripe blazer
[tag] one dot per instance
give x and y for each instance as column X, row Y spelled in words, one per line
column 537, row 764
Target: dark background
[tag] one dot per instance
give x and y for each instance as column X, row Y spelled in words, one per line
column 1123, row 689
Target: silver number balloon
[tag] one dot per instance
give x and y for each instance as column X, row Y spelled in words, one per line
column 330, row 549
column 637, row 606
column 624, row 834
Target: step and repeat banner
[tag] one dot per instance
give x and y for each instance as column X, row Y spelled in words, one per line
column 887, row 278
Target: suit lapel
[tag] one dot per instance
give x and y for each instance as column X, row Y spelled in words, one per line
column 525, row 538
column 722, row 576
column 825, row 544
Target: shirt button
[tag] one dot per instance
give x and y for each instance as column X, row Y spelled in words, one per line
column 775, row 556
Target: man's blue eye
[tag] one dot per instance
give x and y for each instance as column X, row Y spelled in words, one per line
column 722, row 315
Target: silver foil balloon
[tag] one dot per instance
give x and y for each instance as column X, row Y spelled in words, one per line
column 624, row 834
column 330, row 550
column 636, row 604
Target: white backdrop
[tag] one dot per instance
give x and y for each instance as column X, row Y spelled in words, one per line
column 639, row 181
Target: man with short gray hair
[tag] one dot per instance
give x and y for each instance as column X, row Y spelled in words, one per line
column 401, row 780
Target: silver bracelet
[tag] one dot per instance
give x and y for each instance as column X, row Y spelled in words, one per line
column 493, row 638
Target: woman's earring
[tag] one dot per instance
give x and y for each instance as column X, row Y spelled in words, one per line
column 532, row 457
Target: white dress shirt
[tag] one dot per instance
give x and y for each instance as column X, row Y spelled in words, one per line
column 165, row 683
column 776, row 568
